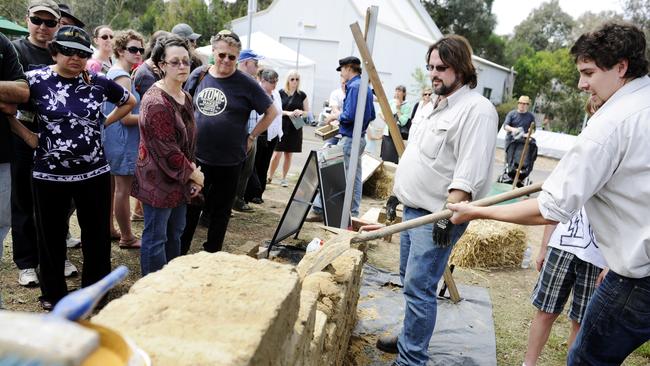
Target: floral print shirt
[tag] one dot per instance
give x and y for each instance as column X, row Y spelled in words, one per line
column 69, row 123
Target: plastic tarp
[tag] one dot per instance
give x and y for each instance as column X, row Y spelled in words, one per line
column 278, row 57
column 550, row 144
column 464, row 332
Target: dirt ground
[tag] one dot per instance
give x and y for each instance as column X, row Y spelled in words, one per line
column 509, row 288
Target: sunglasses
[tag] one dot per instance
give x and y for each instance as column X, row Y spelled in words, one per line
column 50, row 23
column 69, row 52
column 134, row 50
column 106, row 36
column 426, row 94
column 177, row 64
column 294, row 79
column 225, row 33
column 223, row 55
column 438, row 68
column 523, row 103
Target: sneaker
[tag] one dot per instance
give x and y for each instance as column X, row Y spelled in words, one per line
column 257, row 200
column 27, row 277
column 72, row 242
column 241, row 206
column 314, row 217
column 69, row 269
column 284, row 183
column 387, row 344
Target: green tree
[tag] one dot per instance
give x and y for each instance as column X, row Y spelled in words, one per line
column 588, row 22
column 472, row 19
column 638, row 13
column 546, row 27
column 14, row 10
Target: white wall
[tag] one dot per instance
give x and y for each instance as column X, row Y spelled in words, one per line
column 326, row 37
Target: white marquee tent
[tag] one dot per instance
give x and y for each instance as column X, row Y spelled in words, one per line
column 279, row 57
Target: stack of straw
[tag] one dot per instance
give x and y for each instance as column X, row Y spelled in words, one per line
column 490, row 244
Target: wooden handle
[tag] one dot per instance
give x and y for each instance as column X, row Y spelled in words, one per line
column 445, row 214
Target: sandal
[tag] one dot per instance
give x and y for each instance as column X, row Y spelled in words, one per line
column 137, row 217
column 134, row 243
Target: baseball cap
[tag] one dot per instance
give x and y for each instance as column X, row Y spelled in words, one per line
column 73, row 37
column 350, row 60
column 66, row 11
column 185, row 31
column 248, row 54
column 45, row 5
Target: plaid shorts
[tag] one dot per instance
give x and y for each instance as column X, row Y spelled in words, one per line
column 562, row 272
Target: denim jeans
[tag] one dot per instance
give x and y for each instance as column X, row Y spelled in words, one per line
column 5, row 207
column 346, row 142
column 161, row 237
column 617, row 321
column 422, row 263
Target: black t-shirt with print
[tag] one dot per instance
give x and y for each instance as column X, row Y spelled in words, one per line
column 221, row 110
column 10, row 70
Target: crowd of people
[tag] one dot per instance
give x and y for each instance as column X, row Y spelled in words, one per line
column 87, row 129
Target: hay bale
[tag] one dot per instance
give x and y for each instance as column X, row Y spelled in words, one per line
column 490, row 244
column 380, row 184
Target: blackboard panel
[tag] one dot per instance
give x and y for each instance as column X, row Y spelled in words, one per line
column 300, row 201
column 332, row 179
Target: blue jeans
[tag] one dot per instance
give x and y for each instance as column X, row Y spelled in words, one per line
column 5, row 207
column 616, row 323
column 422, row 263
column 161, row 237
column 346, row 142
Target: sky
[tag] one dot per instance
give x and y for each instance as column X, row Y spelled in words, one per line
column 510, row 13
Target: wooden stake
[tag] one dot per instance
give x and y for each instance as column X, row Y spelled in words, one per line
column 523, row 156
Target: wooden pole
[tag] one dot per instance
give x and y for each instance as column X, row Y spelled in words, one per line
column 369, row 67
column 523, row 156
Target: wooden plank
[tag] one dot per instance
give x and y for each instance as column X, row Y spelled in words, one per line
column 451, row 285
column 369, row 67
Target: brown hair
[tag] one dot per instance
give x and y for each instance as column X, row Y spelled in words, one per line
column 612, row 43
column 122, row 38
column 231, row 38
column 455, row 51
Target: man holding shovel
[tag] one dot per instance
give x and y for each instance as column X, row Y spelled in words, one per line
column 607, row 171
column 449, row 159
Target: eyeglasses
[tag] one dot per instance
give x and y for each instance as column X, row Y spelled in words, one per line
column 274, row 81
column 223, row 55
column 523, row 103
column 106, row 36
column 438, row 68
column 69, row 52
column 426, row 94
column 134, row 50
column 177, row 64
column 294, row 79
column 50, row 23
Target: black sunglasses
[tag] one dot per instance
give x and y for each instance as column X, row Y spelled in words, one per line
column 134, row 50
column 294, row 79
column 50, row 23
column 426, row 94
column 438, row 68
column 223, row 55
column 106, row 36
column 69, row 52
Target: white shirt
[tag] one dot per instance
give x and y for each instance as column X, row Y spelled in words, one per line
column 336, row 98
column 608, row 171
column 577, row 238
column 421, row 113
column 275, row 128
column 453, row 148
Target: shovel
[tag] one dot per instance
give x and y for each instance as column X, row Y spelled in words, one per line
column 316, row 261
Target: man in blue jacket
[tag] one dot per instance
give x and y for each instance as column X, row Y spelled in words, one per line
column 350, row 69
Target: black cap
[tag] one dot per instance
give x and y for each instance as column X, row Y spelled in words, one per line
column 66, row 11
column 73, row 37
column 350, row 60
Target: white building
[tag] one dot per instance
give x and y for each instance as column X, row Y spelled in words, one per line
column 320, row 30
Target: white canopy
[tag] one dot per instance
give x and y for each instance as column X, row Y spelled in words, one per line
column 551, row 144
column 278, row 57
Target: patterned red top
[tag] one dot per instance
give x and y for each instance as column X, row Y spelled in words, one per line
column 166, row 151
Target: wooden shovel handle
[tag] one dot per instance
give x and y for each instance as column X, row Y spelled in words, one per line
column 445, row 214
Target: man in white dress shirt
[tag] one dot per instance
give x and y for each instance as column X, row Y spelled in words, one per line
column 607, row 171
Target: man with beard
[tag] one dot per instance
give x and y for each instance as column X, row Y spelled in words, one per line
column 449, row 159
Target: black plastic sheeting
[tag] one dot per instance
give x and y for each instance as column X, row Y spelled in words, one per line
column 464, row 332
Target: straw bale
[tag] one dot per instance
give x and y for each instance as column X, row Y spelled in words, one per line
column 380, row 184
column 490, row 244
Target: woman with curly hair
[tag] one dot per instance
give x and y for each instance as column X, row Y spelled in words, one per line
column 166, row 177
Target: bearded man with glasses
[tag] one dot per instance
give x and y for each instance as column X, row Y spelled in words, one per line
column 223, row 99
column 449, row 158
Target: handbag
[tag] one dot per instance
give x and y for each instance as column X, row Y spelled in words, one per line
column 404, row 130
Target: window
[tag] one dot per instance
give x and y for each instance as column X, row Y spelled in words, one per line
column 487, row 92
